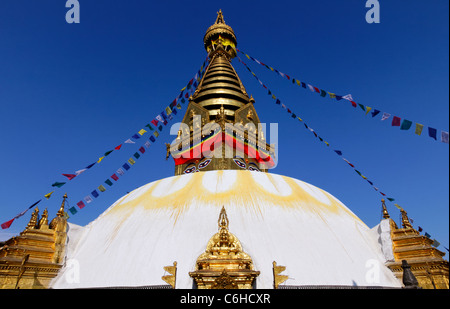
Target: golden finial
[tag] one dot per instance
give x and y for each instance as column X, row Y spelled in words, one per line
column 34, row 219
column 223, row 219
column 385, row 212
column 60, row 212
column 219, row 19
column 405, row 220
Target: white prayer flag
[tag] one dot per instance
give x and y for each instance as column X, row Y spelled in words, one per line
column 88, row 199
column 444, row 137
column 385, row 116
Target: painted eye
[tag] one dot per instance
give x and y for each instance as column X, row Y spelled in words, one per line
column 189, row 170
column 252, row 167
column 239, row 163
column 204, row 163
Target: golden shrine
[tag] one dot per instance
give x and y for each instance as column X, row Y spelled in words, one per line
column 32, row 259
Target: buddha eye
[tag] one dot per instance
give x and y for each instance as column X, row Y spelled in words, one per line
column 190, row 169
column 252, row 167
column 204, row 163
column 239, row 163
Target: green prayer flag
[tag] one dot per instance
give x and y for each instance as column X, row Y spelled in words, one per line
column 406, row 124
column 136, row 155
column 391, row 199
column 108, row 182
column 73, row 210
column 362, row 107
column 58, row 184
column 149, row 126
column 108, row 152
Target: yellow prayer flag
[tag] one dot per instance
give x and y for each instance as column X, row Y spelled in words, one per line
column 273, row 96
column 271, row 68
column 299, row 119
column 247, row 56
column 183, row 89
column 100, row 159
column 398, row 206
column 368, row 109
column 47, row 196
column 332, row 95
column 156, row 134
column 131, row 161
column 168, row 110
column 419, row 128
column 142, row 131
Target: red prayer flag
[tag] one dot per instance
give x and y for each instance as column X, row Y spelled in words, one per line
column 142, row 150
column 154, row 122
column 70, row 176
column 317, row 89
column 354, row 104
column 396, row 121
column 7, row 224
column 118, row 147
column 115, row 177
column 80, row 204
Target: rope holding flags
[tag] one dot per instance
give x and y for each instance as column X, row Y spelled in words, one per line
column 402, row 123
column 338, row 152
column 162, row 119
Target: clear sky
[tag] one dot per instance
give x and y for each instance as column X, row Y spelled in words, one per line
column 71, row 92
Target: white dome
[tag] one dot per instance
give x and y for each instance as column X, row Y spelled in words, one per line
column 276, row 218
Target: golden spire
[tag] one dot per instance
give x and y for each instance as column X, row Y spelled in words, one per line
column 385, row 212
column 405, row 220
column 220, row 34
column 60, row 212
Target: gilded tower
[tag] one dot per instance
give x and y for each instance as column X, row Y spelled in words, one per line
column 221, row 127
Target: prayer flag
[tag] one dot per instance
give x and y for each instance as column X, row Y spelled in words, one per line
column 420, row 229
column 154, row 122
column 90, row 165
column 432, row 132
column 47, row 196
column 126, row 166
column 136, row 155
column 70, row 176
column 396, row 121
column 362, row 107
column 135, row 136
column 115, row 177
column 152, row 138
column 7, row 224
column 142, row 149
column 385, row 116
column 444, row 137
column 332, row 95
column 391, row 199
column 101, row 188
column 323, row 93
column 100, row 159
column 156, row 134
column 427, row 235
column 118, row 147
column 147, row 144
column 108, row 152
column 398, row 206
column 168, row 110
column 311, row 87
column 88, row 199
column 178, row 106
column 108, row 182
column 435, row 243
column 73, row 210
column 80, row 204
column 406, row 124
column 131, row 161
column 58, row 184
column 129, row 141
column 419, row 128
column 142, row 131
column 149, row 126
column 80, row 171
column 338, row 152
column 368, row 109
column 95, row 193
column 120, row 171
column 348, row 97
column 375, row 112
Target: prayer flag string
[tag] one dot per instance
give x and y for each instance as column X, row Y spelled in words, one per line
column 402, row 123
column 161, row 119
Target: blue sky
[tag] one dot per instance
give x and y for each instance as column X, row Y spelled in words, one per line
column 71, row 92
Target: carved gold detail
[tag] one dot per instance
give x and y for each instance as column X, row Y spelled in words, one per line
column 224, row 264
